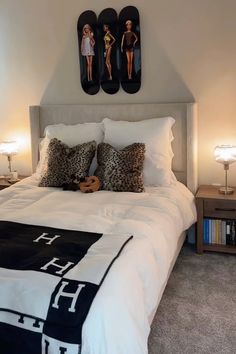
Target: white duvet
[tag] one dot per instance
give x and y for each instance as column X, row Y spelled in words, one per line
column 120, row 317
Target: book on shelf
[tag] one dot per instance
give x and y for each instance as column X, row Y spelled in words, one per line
column 220, row 232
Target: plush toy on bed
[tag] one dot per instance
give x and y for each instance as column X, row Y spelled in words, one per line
column 88, row 184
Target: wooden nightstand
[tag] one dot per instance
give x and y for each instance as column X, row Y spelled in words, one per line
column 214, row 208
column 5, row 184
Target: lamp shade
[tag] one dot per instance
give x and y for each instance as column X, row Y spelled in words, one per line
column 9, row 148
column 225, row 154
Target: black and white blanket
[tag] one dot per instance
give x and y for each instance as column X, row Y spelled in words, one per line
column 48, row 280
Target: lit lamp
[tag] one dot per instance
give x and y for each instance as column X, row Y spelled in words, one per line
column 9, row 149
column 225, row 154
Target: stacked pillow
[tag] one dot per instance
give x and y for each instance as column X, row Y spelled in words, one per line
column 130, row 154
column 71, row 135
column 156, row 134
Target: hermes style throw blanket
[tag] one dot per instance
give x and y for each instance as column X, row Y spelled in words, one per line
column 48, row 280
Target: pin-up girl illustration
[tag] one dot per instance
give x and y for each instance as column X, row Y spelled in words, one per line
column 109, row 40
column 87, row 49
column 129, row 39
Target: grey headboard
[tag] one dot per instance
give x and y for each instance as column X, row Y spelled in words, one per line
column 185, row 129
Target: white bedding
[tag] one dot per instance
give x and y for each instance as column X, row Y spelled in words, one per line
column 120, row 317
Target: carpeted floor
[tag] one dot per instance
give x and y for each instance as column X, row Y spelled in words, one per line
column 197, row 314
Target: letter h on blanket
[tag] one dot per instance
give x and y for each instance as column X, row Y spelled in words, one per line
column 53, row 263
column 62, row 293
column 49, row 239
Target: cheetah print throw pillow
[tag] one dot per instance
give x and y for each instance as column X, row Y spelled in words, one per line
column 121, row 170
column 63, row 162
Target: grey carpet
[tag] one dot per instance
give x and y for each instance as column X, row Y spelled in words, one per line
column 197, row 313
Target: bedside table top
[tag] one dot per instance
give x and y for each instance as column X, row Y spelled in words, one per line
column 212, row 192
column 4, row 182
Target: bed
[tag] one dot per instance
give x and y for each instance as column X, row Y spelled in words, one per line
column 121, row 314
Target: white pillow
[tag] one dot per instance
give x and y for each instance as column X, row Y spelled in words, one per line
column 156, row 134
column 42, row 164
column 71, row 135
column 75, row 134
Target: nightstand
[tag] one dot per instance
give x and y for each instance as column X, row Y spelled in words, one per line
column 5, row 184
column 216, row 216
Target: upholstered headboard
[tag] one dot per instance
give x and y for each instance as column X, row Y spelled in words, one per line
column 184, row 131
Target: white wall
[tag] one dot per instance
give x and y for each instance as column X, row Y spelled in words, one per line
column 188, row 53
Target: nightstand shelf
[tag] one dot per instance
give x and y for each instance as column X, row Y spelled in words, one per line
column 219, row 248
column 214, row 206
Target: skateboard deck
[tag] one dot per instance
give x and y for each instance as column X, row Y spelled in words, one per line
column 108, row 53
column 88, row 52
column 130, row 53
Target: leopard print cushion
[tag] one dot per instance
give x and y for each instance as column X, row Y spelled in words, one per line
column 121, row 170
column 63, row 162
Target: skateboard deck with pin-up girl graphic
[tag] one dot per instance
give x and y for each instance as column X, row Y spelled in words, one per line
column 88, row 49
column 108, row 50
column 130, row 49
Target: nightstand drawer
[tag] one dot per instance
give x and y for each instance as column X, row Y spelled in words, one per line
column 225, row 209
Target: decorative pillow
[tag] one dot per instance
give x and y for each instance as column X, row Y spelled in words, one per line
column 71, row 135
column 63, row 162
column 156, row 134
column 77, row 134
column 121, row 170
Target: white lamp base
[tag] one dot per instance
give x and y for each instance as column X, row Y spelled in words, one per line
column 228, row 190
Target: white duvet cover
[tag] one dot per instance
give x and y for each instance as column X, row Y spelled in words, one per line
column 120, row 317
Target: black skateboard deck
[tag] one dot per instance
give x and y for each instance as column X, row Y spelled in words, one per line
column 88, row 52
column 130, row 49
column 108, row 50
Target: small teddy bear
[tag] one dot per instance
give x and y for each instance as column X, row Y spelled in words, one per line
column 88, row 184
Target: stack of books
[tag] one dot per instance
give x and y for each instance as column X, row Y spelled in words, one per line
column 220, row 232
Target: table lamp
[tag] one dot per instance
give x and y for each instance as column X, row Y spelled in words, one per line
column 225, row 154
column 9, row 149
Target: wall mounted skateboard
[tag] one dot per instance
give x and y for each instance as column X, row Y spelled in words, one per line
column 108, row 51
column 130, row 49
column 88, row 49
